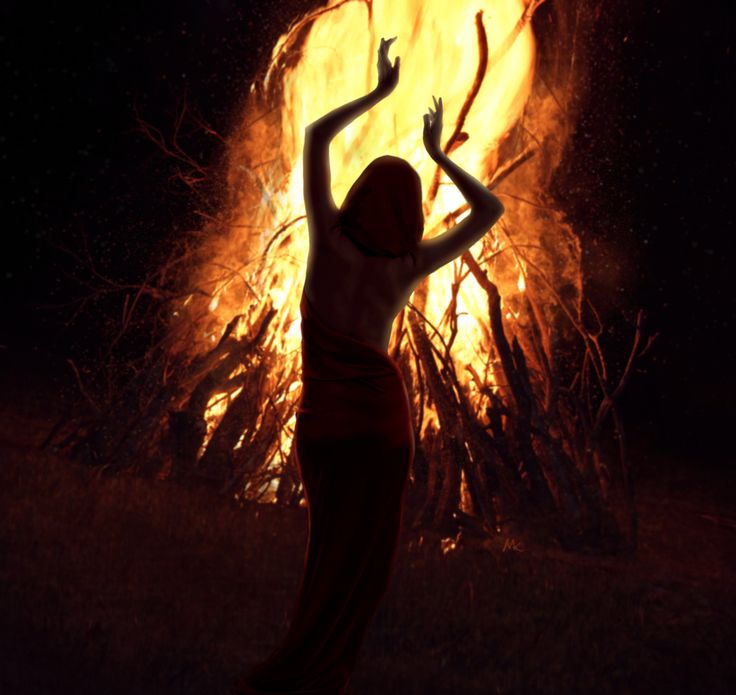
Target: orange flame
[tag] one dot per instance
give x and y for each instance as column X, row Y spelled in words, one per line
column 328, row 58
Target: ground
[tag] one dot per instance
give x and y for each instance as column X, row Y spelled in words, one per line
column 125, row 585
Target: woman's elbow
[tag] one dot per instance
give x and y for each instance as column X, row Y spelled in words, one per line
column 493, row 211
column 315, row 131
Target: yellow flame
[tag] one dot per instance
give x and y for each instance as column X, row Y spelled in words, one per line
column 267, row 244
column 216, row 407
column 521, row 284
column 449, row 544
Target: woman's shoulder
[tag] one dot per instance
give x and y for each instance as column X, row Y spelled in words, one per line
column 402, row 264
column 335, row 242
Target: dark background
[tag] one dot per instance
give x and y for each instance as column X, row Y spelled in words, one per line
column 653, row 152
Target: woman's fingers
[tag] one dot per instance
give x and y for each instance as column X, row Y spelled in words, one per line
column 437, row 105
column 436, row 112
column 385, row 44
column 383, row 60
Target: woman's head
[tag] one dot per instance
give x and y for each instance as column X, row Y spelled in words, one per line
column 382, row 211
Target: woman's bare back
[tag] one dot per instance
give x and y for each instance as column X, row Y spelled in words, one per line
column 356, row 294
column 361, row 295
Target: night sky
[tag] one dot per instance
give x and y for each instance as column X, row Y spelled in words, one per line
column 655, row 148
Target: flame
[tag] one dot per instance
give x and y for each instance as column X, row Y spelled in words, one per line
column 328, row 59
column 449, row 544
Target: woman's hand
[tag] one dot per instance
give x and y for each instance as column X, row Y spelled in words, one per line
column 325, row 128
column 388, row 75
column 433, row 129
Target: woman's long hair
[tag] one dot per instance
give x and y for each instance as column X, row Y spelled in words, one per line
column 382, row 212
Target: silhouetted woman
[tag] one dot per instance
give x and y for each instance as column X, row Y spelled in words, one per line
column 354, row 438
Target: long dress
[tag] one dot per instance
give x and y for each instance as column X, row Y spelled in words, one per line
column 354, row 445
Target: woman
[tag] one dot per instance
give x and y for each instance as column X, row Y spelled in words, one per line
column 354, row 437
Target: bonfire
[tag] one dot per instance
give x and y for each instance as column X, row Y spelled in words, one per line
column 513, row 401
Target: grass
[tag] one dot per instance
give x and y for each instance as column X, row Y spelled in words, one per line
column 125, row 585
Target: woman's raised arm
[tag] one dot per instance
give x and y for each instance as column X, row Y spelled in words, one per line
column 319, row 203
column 485, row 208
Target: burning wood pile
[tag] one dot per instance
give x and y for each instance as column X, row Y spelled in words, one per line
column 513, row 401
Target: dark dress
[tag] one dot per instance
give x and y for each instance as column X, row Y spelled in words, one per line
column 354, row 444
